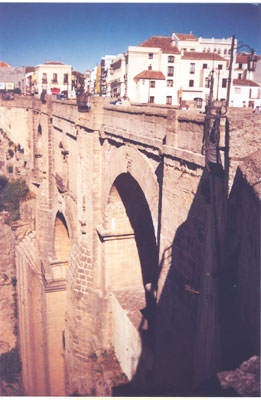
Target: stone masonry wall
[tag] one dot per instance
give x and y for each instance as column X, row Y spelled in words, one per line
column 79, row 158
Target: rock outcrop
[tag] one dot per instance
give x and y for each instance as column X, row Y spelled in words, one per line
column 245, row 380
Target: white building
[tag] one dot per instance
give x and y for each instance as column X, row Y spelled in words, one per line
column 194, row 78
column 87, row 81
column 176, row 70
column 54, row 77
column 116, row 83
column 183, row 63
column 106, row 62
column 245, row 93
column 93, row 79
column 150, row 85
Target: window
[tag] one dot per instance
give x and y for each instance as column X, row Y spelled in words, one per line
column 237, row 90
column 240, row 65
column 220, row 66
column 192, row 49
column 254, row 93
column 44, row 78
column 205, row 66
column 65, row 79
column 169, row 100
column 151, row 99
column 150, row 67
column 150, row 56
column 224, row 83
column 152, row 84
column 170, row 71
column 225, row 51
column 219, row 51
column 198, row 101
column 229, row 51
column 207, row 83
column 170, row 59
column 204, row 50
column 239, row 76
column 54, row 78
column 192, row 68
column 208, row 50
column 215, row 50
column 169, row 83
column 191, row 83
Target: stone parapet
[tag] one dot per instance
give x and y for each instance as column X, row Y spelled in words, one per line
column 135, row 206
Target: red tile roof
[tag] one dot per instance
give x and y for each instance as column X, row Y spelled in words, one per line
column 162, row 42
column 244, row 82
column 242, row 58
column 3, row 64
column 189, row 55
column 148, row 74
column 185, row 36
column 53, row 63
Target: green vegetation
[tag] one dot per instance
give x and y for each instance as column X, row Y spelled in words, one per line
column 11, row 193
column 3, row 182
column 11, row 153
column 14, row 281
column 10, row 366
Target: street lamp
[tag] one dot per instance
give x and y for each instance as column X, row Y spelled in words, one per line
column 215, row 110
column 251, row 63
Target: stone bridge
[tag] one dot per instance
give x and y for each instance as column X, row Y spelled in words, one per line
column 135, row 247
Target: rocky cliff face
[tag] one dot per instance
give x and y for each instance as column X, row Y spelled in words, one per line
column 7, row 292
column 8, row 314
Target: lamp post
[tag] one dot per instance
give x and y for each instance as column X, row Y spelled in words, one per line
column 251, row 64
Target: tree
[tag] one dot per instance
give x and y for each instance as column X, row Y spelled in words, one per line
column 78, row 78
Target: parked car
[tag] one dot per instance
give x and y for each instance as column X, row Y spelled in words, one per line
column 8, row 96
column 61, row 97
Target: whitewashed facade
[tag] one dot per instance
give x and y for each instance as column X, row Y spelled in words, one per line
column 182, row 65
column 245, row 93
column 54, row 77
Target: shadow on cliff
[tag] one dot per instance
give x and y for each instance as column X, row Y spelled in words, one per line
column 200, row 321
column 176, row 313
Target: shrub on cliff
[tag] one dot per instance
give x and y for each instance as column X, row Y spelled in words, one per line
column 3, row 182
column 13, row 193
column 10, row 366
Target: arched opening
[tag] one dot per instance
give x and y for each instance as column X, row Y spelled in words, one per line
column 38, row 155
column 56, row 306
column 62, row 244
column 131, row 270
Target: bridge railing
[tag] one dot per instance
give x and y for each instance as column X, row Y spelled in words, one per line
column 138, row 121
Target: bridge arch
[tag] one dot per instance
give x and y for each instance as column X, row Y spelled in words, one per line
column 62, row 242
column 129, row 160
column 131, row 255
column 56, row 302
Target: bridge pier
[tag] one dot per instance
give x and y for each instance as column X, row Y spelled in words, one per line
column 121, row 242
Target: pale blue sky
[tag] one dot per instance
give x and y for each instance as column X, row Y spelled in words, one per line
column 81, row 33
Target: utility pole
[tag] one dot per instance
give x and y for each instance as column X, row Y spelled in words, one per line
column 230, row 69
